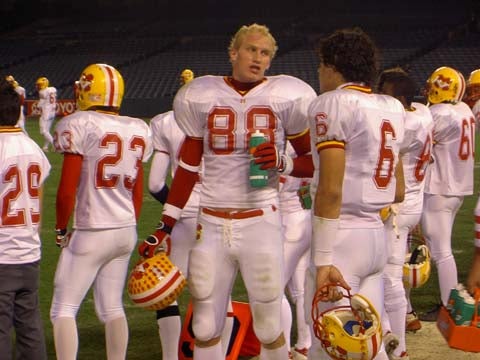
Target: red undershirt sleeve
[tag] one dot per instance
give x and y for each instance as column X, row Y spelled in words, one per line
column 137, row 194
column 67, row 188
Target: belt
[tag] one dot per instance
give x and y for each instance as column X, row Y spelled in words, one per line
column 242, row 214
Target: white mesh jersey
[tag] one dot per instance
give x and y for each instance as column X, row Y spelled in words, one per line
column 47, row 100
column 371, row 126
column 23, row 169
column 289, row 187
column 113, row 148
column 209, row 109
column 20, row 90
column 451, row 172
column 416, row 156
column 168, row 138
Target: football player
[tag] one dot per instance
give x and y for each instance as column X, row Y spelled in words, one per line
column 356, row 137
column 23, row 170
column 167, row 140
column 239, row 225
column 20, row 90
column 102, row 186
column 450, row 176
column 47, row 104
column 472, row 98
column 295, row 205
column 416, row 151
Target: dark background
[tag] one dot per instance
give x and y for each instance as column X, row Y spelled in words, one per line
column 150, row 42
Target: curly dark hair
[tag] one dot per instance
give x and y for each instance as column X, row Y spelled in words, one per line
column 353, row 54
column 9, row 103
column 403, row 84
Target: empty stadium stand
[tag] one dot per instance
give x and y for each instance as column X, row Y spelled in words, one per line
column 150, row 47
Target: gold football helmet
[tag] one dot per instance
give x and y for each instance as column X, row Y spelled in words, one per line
column 155, row 282
column 472, row 93
column 416, row 269
column 10, row 78
column 348, row 332
column 100, row 85
column 445, row 85
column 42, row 83
column 186, row 76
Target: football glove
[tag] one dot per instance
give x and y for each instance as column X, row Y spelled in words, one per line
column 63, row 238
column 159, row 241
column 268, row 156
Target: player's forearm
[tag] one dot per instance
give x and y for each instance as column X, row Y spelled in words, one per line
column 303, row 166
column 186, row 176
column 158, row 171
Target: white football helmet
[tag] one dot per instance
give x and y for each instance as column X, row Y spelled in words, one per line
column 155, row 283
column 417, row 268
column 348, row 332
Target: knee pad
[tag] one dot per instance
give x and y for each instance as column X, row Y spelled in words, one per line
column 204, row 324
column 108, row 315
column 264, row 279
column 201, row 274
column 61, row 310
column 267, row 320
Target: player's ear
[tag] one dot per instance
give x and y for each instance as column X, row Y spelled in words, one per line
column 233, row 55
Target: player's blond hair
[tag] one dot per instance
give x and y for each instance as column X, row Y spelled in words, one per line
column 237, row 39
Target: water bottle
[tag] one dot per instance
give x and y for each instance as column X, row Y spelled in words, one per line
column 304, row 195
column 257, row 176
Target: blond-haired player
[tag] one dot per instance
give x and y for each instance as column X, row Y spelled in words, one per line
column 239, row 226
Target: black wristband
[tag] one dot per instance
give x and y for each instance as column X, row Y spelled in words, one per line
column 164, row 227
column 61, row 232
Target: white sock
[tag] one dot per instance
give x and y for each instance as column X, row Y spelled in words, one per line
column 169, row 330
column 274, row 354
column 208, row 353
column 227, row 330
column 116, row 338
column 286, row 320
column 304, row 339
column 66, row 338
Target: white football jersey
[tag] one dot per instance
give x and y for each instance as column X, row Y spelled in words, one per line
column 416, row 152
column 371, row 126
column 168, row 138
column 210, row 109
column 451, row 172
column 23, row 169
column 47, row 100
column 21, row 91
column 289, row 187
column 112, row 147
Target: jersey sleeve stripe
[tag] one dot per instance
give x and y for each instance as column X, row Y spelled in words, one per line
column 330, row 144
